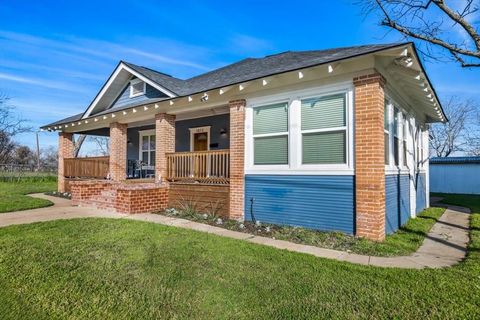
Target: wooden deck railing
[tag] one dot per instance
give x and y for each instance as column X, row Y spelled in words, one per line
column 94, row 167
column 200, row 166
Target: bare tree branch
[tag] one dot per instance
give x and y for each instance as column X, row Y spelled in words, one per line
column 424, row 20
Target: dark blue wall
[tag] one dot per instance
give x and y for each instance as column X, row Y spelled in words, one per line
column 397, row 202
column 124, row 98
column 217, row 123
column 421, row 192
column 316, row 202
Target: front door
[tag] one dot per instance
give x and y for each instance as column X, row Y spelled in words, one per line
column 200, row 141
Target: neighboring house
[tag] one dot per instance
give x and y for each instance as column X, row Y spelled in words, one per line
column 455, row 175
column 330, row 140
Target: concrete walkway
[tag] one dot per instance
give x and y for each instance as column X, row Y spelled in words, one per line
column 444, row 246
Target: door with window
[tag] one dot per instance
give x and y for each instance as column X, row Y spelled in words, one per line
column 147, row 152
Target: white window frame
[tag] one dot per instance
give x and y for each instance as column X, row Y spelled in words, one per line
column 136, row 81
column 193, row 131
column 295, row 166
column 391, row 168
column 142, row 134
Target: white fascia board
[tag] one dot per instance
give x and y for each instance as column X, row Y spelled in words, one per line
column 112, row 78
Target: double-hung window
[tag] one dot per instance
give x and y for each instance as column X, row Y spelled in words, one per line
column 386, row 132
column 147, row 147
column 324, row 129
column 270, row 134
column 396, row 136
column 405, row 134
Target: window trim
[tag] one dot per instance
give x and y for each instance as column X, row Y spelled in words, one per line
column 332, row 129
column 276, row 134
column 142, row 134
column 391, row 168
column 136, row 81
column 295, row 165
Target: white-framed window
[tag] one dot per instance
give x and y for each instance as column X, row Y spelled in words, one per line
column 147, row 147
column 405, row 133
column 397, row 139
column 270, row 134
column 386, row 131
column 137, row 88
column 305, row 131
column 324, row 129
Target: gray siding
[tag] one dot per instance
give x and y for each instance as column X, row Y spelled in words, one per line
column 397, row 202
column 217, row 123
column 316, row 202
column 455, row 178
column 124, row 98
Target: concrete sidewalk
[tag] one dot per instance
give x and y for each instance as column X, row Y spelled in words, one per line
column 444, row 246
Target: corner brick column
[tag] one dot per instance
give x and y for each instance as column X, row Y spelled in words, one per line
column 369, row 157
column 164, row 143
column 118, row 151
column 65, row 150
column 237, row 158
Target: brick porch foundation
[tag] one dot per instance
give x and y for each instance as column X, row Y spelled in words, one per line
column 120, row 197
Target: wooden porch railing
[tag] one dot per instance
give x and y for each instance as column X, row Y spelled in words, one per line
column 94, row 167
column 200, row 166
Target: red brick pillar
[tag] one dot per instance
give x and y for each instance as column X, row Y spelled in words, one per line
column 237, row 158
column 164, row 143
column 369, row 156
column 65, row 150
column 118, row 151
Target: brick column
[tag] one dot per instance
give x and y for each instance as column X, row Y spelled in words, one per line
column 237, row 158
column 369, row 156
column 118, row 151
column 65, row 150
column 164, row 143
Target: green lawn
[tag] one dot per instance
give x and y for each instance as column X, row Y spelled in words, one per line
column 119, row 269
column 13, row 194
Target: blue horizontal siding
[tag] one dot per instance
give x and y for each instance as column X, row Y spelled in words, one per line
column 397, row 202
column 316, row 202
column 421, row 193
column 124, row 98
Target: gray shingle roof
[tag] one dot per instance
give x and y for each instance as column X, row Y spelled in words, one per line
column 246, row 70
column 253, row 68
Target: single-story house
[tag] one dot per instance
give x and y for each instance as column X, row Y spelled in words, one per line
column 455, row 175
column 331, row 139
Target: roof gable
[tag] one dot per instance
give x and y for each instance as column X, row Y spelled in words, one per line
column 115, row 86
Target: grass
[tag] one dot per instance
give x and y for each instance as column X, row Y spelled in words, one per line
column 13, row 195
column 119, row 269
column 403, row 242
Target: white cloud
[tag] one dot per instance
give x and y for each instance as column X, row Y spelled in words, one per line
column 41, row 82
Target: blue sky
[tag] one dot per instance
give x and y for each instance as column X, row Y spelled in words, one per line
column 55, row 55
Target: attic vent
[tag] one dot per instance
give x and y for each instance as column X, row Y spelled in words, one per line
column 137, row 88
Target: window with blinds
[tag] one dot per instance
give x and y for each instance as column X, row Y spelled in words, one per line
column 270, row 134
column 324, row 130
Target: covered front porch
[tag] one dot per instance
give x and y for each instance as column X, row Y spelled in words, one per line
column 174, row 159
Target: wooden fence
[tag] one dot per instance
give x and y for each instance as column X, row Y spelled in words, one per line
column 94, row 167
column 201, row 166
